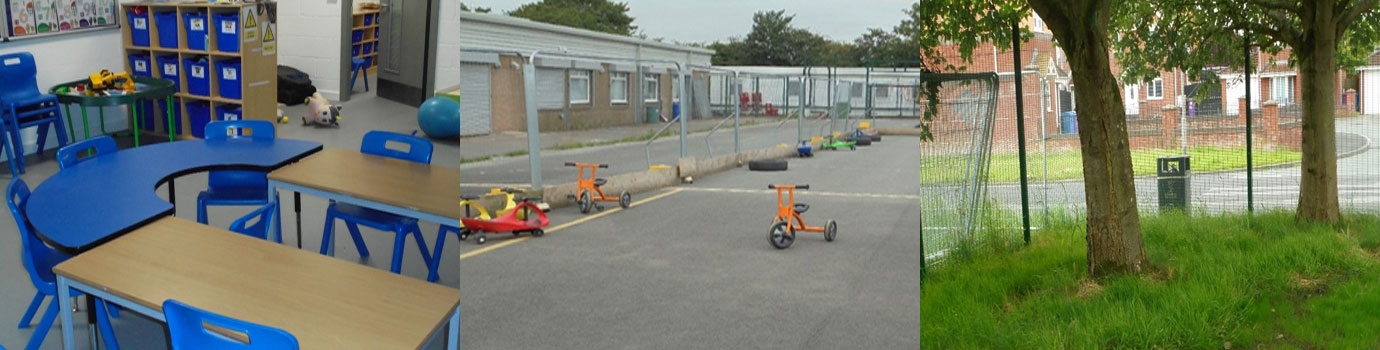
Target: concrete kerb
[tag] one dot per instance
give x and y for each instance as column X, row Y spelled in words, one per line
column 651, row 180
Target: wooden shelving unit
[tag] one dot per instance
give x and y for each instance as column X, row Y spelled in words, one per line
column 369, row 39
column 257, row 54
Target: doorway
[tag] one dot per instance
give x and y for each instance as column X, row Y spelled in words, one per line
column 407, row 50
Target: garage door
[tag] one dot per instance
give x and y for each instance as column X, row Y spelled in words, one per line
column 1370, row 91
column 476, row 113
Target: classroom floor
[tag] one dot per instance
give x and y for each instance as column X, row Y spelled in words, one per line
column 363, row 113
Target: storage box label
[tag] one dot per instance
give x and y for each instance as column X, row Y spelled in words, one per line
column 198, row 24
column 170, row 70
column 229, row 73
column 198, row 72
column 141, row 24
column 227, row 27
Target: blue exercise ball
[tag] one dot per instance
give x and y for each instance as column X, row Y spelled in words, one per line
column 439, row 117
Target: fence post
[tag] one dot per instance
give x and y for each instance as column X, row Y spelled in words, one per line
column 1245, row 110
column 1020, row 128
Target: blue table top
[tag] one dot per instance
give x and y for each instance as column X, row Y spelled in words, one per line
column 108, row 195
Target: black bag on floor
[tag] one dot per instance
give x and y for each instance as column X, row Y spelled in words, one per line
column 294, row 86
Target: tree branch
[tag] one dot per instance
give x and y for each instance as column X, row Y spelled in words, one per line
column 1351, row 13
column 1277, row 5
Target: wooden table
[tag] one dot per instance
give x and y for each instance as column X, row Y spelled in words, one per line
column 324, row 302
column 396, row 186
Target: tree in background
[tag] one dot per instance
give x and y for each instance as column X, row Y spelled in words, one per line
column 465, row 8
column 773, row 41
column 1324, row 35
column 1082, row 29
column 597, row 15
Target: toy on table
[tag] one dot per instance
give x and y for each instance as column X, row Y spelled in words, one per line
column 320, row 111
column 516, row 220
column 805, row 151
column 106, row 80
column 591, row 190
column 788, row 220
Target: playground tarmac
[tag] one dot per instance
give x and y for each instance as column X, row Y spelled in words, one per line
column 690, row 267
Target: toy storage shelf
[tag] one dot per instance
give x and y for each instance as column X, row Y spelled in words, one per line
column 238, row 43
column 366, row 45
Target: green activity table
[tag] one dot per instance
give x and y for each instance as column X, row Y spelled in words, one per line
column 146, row 88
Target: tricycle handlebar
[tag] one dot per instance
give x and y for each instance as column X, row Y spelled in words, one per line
column 803, row 187
column 577, row 164
column 569, row 164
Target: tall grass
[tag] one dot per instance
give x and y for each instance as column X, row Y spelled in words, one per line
column 1069, row 165
column 1214, row 282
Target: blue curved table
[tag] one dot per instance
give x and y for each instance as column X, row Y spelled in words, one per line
column 101, row 198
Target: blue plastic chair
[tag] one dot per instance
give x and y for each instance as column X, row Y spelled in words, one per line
column 24, row 105
column 235, row 187
column 187, row 328
column 39, row 260
column 260, row 217
column 360, row 66
column 9, row 151
column 377, row 143
column 68, row 156
column 434, row 274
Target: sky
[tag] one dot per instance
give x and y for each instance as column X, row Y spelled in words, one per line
column 718, row 20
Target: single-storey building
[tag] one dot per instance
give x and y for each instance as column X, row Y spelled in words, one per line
column 572, row 93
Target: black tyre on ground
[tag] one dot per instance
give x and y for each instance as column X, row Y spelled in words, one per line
column 782, row 235
column 767, row 165
column 585, row 202
column 864, row 141
column 464, row 234
column 877, row 138
column 538, row 233
column 479, row 237
column 625, row 199
column 831, row 230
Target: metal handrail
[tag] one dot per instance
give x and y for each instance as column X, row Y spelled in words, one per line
column 707, row 147
column 646, row 148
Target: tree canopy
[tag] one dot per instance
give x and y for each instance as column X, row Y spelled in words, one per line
column 774, row 41
column 597, row 15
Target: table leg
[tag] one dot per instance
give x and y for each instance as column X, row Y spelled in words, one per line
column 85, row 124
column 453, row 343
column 274, row 219
column 71, row 129
column 172, row 131
column 91, row 332
column 136, row 131
column 297, row 209
column 172, row 194
column 101, row 113
column 64, row 300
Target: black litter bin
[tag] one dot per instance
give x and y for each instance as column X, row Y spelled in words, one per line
column 1174, row 186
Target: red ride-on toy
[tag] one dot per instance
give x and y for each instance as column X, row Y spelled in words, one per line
column 788, row 218
column 590, row 189
column 532, row 220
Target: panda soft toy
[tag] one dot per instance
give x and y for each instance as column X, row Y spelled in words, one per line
column 320, row 111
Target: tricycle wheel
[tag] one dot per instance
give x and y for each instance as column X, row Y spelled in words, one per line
column 538, row 233
column 479, row 238
column 516, row 233
column 782, row 235
column 464, row 234
column 585, row 202
column 831, row 230
column 852, row 148
column 625, row 199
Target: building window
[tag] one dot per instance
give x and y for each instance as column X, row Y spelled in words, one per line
column 1155, row 89
column 651, row 88
column 855, row 90
column 675, row 88
column 579, row 87
column 881, row 91
column 793, row 88
column 1036, row 24
column 1282, row 90
column 618, row 88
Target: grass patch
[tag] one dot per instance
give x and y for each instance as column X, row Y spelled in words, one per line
column 1219, row 282
column 1069, row 165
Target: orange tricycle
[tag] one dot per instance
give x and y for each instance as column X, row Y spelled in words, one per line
column 590, row 189
column 788, row 220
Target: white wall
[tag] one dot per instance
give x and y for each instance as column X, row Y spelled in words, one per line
column 309, row 39
column 65, row 58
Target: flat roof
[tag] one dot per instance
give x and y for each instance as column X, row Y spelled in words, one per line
column 560, row 29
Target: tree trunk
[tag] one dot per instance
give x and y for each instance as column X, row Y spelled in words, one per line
column 1114, row 239
column 1317, row 61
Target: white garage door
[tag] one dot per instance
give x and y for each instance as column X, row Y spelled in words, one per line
column 550, row 88
column 1370, row 91
column 476, row 113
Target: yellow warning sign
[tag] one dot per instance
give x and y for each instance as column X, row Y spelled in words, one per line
column 268, row 34
column 249, row 21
